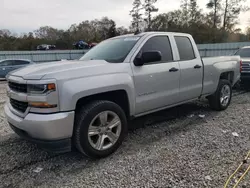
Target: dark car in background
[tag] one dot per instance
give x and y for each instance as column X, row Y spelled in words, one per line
column 81, row 45
column 93, row 44
column 84, row 45
column 8, row 65
column 244, row 53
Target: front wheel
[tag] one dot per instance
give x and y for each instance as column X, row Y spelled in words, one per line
column 221, row 99
column 100, row 128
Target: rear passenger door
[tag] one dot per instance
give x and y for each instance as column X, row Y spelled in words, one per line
column 191, row 69
column 156, row 85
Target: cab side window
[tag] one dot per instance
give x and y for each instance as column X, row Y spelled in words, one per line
column 162, row 44
column 185, row 48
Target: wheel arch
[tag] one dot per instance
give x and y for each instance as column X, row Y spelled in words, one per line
column 229, row 75
column 120, row 97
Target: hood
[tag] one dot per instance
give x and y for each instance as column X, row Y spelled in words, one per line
column 65, row 69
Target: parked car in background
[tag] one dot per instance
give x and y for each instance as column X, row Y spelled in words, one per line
column 81, row 45
column 84, row 45
column 8, row 65
column 244, row 53
column 93, row 44
column 45, row 47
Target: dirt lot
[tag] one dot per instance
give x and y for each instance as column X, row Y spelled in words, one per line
column 172, row 148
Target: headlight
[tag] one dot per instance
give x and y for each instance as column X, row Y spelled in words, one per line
column 40, row 88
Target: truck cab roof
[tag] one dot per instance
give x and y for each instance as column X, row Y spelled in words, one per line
column 153, row 33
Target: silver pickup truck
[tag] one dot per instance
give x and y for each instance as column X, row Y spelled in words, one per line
column 86, row 103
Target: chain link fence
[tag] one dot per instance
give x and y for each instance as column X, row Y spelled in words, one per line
column 220, row 49
column 206, row 50
column 43, row 56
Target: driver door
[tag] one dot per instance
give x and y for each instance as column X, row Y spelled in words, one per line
column 157, row 83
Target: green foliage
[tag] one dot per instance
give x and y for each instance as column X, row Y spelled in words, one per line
column 136, row 15
column 218, row 24
column 248, row 33
column 205, row 28
column 231, row 12
column 149, row 7
column 215, row 6
column 112, row 30
column 89, row 31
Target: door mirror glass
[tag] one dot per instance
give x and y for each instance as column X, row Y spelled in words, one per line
column 147, row 57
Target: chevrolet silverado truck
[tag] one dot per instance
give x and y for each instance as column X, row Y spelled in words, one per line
column 86, row 103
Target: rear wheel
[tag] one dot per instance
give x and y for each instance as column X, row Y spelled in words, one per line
column 100, row 128
column 221, row 99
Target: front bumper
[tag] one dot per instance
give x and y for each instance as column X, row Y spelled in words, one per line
column 55, row 146
column 43, row 129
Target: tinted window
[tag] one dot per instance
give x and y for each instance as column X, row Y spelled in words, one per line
column 185, row 48
column 20, row 62
column 6, row 63
column 159, row 43
column 113, row 50
column 245, row 52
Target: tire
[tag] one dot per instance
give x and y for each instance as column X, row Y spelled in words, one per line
column 215, row 100
column 89, row 117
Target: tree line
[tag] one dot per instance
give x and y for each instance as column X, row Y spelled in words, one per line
column 218, row 23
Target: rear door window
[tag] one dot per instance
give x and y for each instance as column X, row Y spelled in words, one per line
column 185, row 48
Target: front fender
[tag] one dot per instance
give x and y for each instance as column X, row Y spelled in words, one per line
column 73, row 90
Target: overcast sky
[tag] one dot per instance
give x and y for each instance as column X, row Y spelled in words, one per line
column 28, row 15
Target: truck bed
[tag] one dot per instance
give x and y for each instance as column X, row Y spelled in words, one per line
column 218, row 65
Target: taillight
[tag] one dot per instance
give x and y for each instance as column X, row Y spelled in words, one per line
column 240, row 65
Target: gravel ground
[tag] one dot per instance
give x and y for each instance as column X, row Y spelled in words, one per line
column 172, row 148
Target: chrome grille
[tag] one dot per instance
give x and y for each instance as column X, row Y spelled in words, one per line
column 246, row 66
column 19, row 105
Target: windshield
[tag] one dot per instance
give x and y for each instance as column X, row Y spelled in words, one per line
column 245, row 52
column 113, row 50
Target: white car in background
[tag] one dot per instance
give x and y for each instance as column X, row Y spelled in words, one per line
column 244, row 53
column 45, row 47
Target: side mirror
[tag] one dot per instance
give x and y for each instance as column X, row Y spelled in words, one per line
column 147, row 57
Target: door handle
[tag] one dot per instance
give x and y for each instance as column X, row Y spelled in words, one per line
column 197, row 66
column 173, row 69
